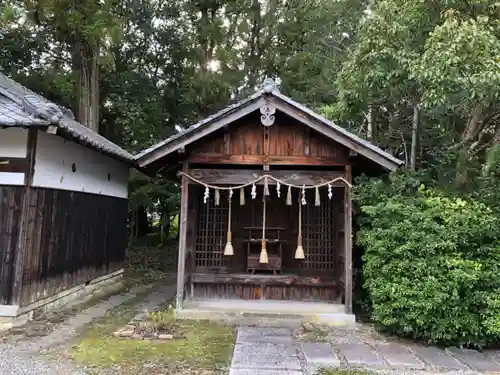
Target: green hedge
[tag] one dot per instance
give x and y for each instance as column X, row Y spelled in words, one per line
column 431, row 266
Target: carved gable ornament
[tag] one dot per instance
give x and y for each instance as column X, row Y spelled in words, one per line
column 267, row 110
column 267, row 114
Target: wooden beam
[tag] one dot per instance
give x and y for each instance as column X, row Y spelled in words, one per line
column 200, row 132
column 14, row 165
column 242, row 176
column 263, row 159
column 23, row 221
column 333, row 134
column 182, row 239
column 348, row 242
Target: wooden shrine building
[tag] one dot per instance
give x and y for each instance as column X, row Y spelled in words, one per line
column 63, row 204
column 265, row 203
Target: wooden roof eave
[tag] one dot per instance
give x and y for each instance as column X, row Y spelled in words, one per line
column 323, row 126
column 203, row 130
column 286, row 105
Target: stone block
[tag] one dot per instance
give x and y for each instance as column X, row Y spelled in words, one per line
column 360, row 355
column 265, row 362
column 437, row 357
column 265, row 349
column 264, row 331
column 246, row 339
column 397, row 355
column 165, row 336
column 124, row 333
column 264, row 372
column 319, row 354
column 475, row 360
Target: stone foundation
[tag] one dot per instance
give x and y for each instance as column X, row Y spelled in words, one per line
column 13, row 316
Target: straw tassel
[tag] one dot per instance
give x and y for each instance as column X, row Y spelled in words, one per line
column 289, row 196
column 317, row 200
column 242, row 196
column 263, row 252
column 299, row 253
column 228, row 250
column 266, row 187
column 217, row 197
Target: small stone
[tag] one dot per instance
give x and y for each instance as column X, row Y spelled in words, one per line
column 137, row 336
column 308, row 326
column 124, row 333
column 165, row 336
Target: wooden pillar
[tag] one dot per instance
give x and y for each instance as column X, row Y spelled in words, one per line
column 348, row 242
column 182, row 239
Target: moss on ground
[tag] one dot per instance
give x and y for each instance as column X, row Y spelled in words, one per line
column 206, row 345
column 314, row 334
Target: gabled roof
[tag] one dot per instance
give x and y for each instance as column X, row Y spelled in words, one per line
column 269, row 94
column 21, row 107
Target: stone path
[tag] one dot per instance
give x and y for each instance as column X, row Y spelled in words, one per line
column 22, row 358
column 274, row 351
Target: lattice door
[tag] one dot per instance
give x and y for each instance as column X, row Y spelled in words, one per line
column 211, row 232
column 319, row 234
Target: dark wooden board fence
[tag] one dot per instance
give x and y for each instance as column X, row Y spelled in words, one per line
column 71, row 238
column 10, row 214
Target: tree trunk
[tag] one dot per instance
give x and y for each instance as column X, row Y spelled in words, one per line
column 414, row 137
column 86, row 69
column 94, row 91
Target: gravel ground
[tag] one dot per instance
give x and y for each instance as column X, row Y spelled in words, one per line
column 423, row 372
column 22, row 357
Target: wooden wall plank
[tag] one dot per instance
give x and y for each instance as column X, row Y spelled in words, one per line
column 71, row 238
column 287, row 142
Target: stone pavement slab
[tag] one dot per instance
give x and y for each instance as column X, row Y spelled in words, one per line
column 263, row 372
column 264, row 331
column 397, row 355
column 260, row 348
column 360, row 355
column 475, row 360
column 319, row 354
column 264, row 340
column 494, row 355
column 265, row 362
column 249, row 335
column 437, row 357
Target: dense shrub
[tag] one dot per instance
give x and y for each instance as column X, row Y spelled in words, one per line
column 432, row 264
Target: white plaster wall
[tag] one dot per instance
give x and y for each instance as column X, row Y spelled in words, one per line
column 13, row 144
column 54, row 161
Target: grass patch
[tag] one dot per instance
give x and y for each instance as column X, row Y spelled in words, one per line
column 346, row 372
column 315, row 334
column 206, row 345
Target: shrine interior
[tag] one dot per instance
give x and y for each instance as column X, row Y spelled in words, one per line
column 316, row 277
